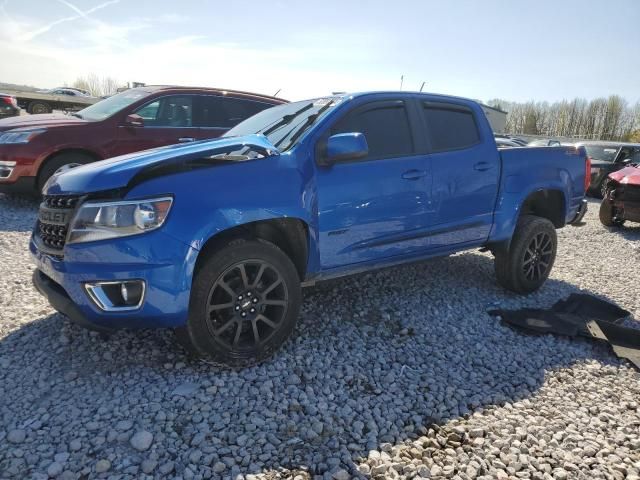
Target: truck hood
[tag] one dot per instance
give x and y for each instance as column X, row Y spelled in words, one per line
column 44, row 120
column 126, row 170
column 627, row 176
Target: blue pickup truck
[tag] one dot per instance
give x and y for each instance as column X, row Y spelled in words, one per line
column 216, row 238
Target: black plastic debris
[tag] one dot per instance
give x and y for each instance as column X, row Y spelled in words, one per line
column 583, row 315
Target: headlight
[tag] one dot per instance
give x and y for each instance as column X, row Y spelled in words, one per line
column 102, row 220
column 20, row 136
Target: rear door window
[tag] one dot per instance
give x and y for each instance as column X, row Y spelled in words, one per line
column 385, row 126
column 450, row 127
column 172, row 111
column 226, row 112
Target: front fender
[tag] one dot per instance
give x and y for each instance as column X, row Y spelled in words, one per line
column 209, row 201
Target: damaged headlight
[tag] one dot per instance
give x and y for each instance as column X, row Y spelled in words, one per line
column 103, row 220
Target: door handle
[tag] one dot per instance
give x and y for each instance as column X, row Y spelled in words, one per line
column 413, row 174
column 186, row 139
column 482, row 166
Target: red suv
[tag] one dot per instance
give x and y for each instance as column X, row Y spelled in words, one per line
column 33, row 147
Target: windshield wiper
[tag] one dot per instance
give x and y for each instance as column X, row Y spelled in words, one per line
column 76, row 114
column 299, row 130
column 285, row 120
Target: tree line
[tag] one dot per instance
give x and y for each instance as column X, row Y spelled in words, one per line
column 611, row 118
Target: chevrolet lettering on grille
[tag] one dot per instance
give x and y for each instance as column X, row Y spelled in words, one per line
column 54, row 216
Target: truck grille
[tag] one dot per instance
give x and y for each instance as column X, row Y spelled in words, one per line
column 54, row 217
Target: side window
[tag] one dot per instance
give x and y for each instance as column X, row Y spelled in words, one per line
column 173, row 111
column 226, row 112
column 385, row 125
column 450, row 127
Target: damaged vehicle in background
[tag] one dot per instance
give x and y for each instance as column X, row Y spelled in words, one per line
column 216, row 238
column 621, row 200
column 607, row 157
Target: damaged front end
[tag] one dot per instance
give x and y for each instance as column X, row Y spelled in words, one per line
column 621, row 201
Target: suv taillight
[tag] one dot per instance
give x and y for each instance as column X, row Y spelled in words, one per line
column 587, row 173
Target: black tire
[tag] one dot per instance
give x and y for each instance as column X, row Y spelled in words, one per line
column 37, row 108
column 604, row 187
column 526, row 265
column 57, row 162
column 607, row 214
column 239, row 319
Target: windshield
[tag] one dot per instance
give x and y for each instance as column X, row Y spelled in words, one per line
column 605, row 153
column 284, row 125
column 107, row 107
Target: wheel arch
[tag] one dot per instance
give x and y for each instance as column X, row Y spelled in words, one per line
column 546, row 203
column 289, row 234
column 63, row 151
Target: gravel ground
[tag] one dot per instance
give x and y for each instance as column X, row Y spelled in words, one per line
column 393, row 374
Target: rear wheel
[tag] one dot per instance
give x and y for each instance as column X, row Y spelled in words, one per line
column 526, row 265
column 39, row 107
column 245, row 302
column 59, row 163
column 607, row 214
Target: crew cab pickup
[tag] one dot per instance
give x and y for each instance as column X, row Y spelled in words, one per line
column 216, row 238
column 33, row 147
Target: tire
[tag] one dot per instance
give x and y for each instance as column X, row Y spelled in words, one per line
column 37, row 108
column 239, row 319
column 526, row 265
column 58, row 162
column 607, row 214
column 604, row 186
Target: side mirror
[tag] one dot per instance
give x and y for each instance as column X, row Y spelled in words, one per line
column 134, row 120
column 344, row 146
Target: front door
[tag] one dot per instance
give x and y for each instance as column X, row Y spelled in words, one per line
column 374, row 208
column 167, row 120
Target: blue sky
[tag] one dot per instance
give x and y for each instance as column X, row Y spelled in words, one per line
column 517, row 50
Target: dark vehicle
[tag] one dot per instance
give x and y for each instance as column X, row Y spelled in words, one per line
column 32, row 148
column 608, row 157
column 8, row 106
column 216, row 238
column 621, row 200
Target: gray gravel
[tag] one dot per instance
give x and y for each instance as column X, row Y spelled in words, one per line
column 394, row 374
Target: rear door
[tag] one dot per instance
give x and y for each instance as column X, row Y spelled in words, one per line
column 375, row 208
column 466, row 172
column 216, row 113
column 167, row 120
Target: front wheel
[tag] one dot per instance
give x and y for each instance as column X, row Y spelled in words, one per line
column 527, row 263
column 607, row 214
column 245, row 301
column 37, row 108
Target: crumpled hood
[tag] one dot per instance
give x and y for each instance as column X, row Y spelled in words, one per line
column 118, row 172
column 627, row 176
column 38, row 121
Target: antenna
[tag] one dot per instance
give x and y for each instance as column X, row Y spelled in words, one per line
column 422, row 86
column 276, row 94
column 401, row 81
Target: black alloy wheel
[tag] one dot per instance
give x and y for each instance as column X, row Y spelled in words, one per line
column 245, row 301
column 247, row 304
column 537, row 257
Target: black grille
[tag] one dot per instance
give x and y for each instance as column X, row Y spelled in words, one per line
column 53, row 221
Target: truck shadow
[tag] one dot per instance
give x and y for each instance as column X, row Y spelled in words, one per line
column 376, row 359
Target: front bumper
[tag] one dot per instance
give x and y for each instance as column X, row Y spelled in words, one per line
column 164, row 263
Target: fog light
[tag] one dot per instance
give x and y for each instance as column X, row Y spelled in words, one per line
column 117, row 296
